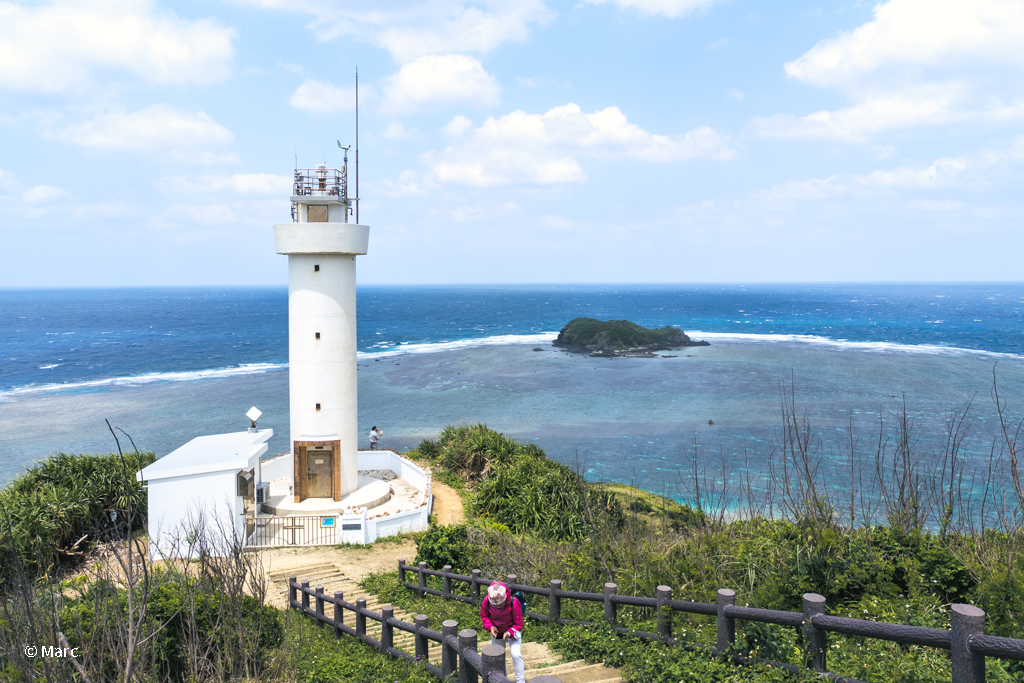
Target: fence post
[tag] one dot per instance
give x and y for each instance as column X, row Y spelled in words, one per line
column 422, row 647
column 467, row 641
column 305, row 597
column 387, row 631
column 509, row 580
column 423, row 579
column 292, row 580
column 815, row 641
column 726, row 626
column 476, row 586
column 339, row 612
column 492, row 660
column 610, row 589
column 664, row 613
column 966, row 621
column 319, row 606
column 360, row 617
column 555, row 602
column 401, row 570
column 446, row 586
column 448, row 653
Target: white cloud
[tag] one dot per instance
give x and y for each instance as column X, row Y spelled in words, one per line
column 665, row 8
column 440, row 81
column 43, row 194
column 942, row 172
column 929, row 34
column 159, row 126
column 409, row 184
column 257, row 184
column 906, row 182
column 457, row 127
column 8, row 181
column 325, row 98
column 543, row 148
column 73, row 44
column 917, row 63
column 412, row 29
column 869, row 116
column 396, row 131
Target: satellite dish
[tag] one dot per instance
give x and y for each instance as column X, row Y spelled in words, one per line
column 254, row 414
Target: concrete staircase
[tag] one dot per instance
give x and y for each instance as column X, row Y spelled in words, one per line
column 539, row 660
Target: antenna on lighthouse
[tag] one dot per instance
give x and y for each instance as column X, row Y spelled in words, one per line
column 348, row 209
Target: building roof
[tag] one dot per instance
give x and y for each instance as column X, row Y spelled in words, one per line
column 213, row 453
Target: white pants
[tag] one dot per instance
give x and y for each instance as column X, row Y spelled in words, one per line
column 515, row 646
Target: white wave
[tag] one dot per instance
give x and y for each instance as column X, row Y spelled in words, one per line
column 187, row 376
column 405, row 348
column 50, row 367
column 878, row 346
column 257, row 368
column 437, row 347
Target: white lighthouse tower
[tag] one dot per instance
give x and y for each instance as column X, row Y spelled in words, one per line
column 322, row 246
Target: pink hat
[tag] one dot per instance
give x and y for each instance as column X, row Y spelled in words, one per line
column 496, row 593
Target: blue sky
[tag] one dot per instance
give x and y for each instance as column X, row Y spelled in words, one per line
column 151, row 143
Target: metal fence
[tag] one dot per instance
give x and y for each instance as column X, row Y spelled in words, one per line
column 966, row 641
column 458, row 648
column 329, row 182
column 271, row 532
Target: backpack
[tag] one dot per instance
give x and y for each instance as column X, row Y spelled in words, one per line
column 518, row 595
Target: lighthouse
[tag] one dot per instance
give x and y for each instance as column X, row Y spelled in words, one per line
column 322, row 246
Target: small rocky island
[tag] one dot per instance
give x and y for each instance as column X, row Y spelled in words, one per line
column 612, row 338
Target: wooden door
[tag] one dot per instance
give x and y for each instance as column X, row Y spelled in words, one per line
column 319, row 473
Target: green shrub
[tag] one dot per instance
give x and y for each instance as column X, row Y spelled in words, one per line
column 645, row 662
column 240, row 639
column 54, row 504
column 445, row 545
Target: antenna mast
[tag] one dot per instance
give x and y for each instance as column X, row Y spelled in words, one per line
column 357, row 145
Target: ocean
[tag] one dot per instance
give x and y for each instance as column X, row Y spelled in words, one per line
column 168, row 364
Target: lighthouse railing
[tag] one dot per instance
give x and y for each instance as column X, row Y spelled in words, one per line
column 321, row 182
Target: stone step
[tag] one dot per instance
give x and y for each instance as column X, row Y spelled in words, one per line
column 589, row 673
column 539, row 660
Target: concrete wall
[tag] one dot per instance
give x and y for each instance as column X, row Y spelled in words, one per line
column 403, row 467
column 414, row 520
column 374, row 526
column 178, row 504
column 275, row 468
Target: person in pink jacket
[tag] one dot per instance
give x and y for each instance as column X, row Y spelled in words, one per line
column 503, row 617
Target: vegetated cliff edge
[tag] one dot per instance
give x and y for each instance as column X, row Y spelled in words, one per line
column 610, row 338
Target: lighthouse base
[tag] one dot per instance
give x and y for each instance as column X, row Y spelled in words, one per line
column 370, row 494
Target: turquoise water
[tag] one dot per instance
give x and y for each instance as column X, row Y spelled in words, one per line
column 626, row 420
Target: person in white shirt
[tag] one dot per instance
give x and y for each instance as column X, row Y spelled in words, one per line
column 375, row 435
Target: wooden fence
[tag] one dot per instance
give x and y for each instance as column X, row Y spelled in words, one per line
column 966, row 641
column 458, row 648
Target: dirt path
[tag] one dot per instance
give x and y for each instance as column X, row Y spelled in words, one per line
column 447, row 504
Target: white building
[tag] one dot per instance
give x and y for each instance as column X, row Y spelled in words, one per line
column 208, row 483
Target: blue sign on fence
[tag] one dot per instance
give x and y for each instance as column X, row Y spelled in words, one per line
column 327, row 521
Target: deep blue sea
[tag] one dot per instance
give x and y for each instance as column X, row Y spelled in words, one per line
column 169, row 364
column 92, row 336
